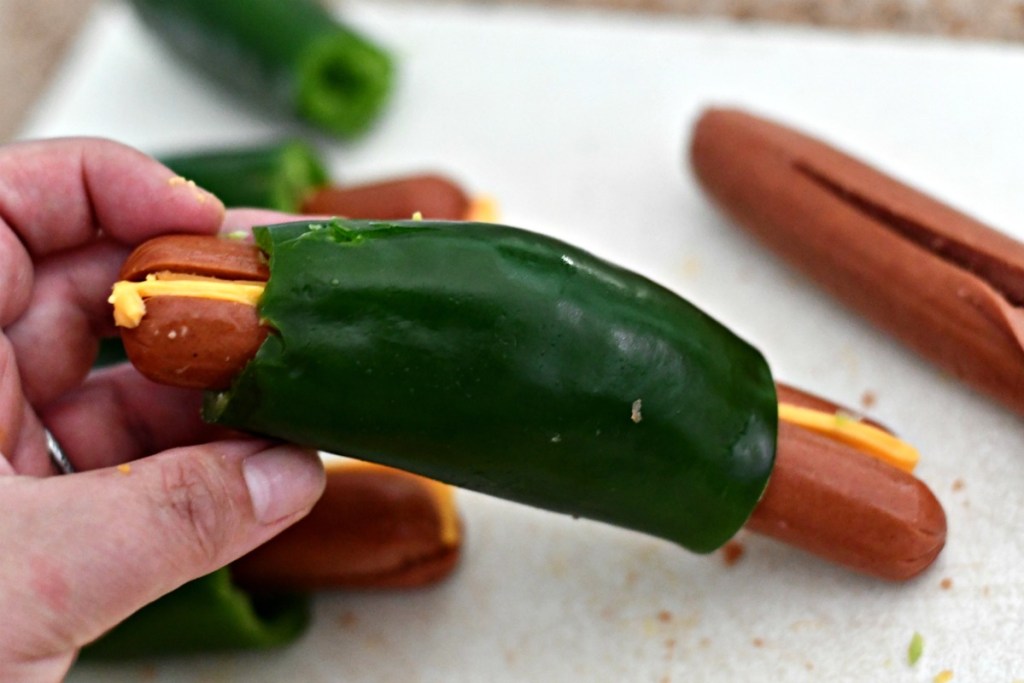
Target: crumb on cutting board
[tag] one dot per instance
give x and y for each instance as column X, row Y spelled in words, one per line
column 868, row 399
column 732, row 553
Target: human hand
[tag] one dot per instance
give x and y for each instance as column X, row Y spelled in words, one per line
column 82, row 552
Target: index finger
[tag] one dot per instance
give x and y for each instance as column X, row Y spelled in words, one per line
column 117, row 415
column 57, row 194
column 60, row 194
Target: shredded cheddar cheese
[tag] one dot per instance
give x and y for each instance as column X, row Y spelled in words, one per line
column 129, row 298
column 200, row 194
column 444, row 494
column 850, row 430
column 482, row 210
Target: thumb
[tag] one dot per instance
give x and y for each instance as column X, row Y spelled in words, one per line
column 82, row 552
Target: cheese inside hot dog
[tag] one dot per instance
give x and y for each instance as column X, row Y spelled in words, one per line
column 129, row 298
column 852, row 431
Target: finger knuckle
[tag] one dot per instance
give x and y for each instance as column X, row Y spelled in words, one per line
column 197, row 502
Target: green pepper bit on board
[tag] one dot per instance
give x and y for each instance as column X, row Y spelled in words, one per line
column 289, row 55
column 915, row 649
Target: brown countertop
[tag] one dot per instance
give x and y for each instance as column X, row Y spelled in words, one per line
column 987, row 19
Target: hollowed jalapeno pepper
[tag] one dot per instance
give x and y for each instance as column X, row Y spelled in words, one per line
column 510, row 363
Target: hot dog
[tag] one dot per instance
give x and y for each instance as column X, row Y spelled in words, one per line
column 184, row 344
column 431, row 195
column 374, row 527
column 824, row 496
column 871, row 240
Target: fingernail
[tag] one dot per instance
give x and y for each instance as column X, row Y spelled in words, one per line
column 282, row 481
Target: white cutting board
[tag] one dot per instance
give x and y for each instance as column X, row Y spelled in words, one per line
column 577, row 123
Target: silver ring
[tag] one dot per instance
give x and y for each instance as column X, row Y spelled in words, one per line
column 57, row 454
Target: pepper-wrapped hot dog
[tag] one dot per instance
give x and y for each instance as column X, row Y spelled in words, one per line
column 508, row 362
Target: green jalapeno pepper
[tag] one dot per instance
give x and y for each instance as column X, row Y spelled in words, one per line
column 510, row 363
column 288, row 54
column 208, row 614
column 275, row 176
column 110, row 352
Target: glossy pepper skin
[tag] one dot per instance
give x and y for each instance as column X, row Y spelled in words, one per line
column 208, row 614
column 275, row 176
column 289, row 55
column 510, row 363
